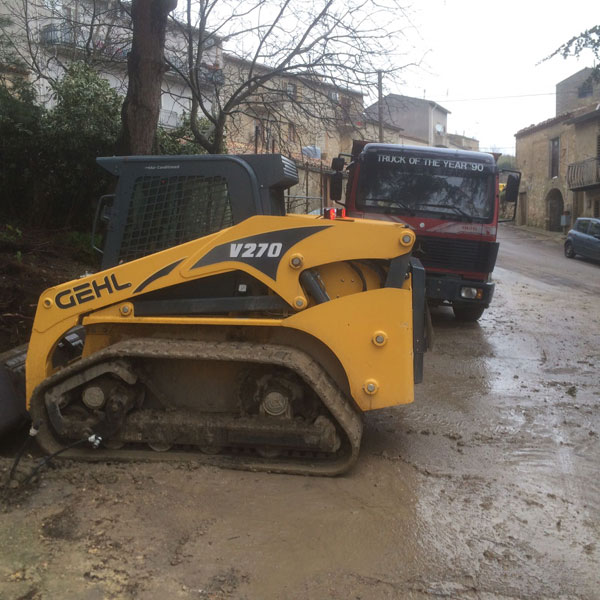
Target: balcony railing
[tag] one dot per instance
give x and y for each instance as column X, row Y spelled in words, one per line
column 170, row 119
column 584, row 175
column 68, row 35
column 54, row 35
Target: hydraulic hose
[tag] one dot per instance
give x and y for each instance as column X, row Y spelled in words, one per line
column 33, row 431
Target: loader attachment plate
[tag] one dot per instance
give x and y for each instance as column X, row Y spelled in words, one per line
column 12, row 389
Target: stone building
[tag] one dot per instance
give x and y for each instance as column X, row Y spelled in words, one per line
column 414, row 121
column 303, row 117
column 560, row 158
column 462, row 142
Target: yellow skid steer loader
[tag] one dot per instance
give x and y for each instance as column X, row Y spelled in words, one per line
column 223, row 330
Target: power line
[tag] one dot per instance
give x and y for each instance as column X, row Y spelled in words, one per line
column 491, row 148
column 497, row 97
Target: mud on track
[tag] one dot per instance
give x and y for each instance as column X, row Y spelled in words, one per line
column 485, row 488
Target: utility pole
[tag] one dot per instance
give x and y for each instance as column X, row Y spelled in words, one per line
column 380, row 103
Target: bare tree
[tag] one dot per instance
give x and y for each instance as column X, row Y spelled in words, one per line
column 145, row 67
column 285, row 62
column 285, row 70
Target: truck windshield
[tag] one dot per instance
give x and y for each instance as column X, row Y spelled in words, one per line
column 442, row 188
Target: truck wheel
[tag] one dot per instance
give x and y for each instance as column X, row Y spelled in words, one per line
column 467, row 313
column 569, row 250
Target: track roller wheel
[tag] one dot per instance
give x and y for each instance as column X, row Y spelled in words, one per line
column 159, row 446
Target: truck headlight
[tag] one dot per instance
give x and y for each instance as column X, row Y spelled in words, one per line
column 471, row 293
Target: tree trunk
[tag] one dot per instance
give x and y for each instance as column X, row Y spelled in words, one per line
column 146, row 67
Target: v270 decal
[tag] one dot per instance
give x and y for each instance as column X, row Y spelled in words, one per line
column 251, row 250
column 262, row 251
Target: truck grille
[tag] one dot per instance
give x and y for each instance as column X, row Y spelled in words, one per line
column 456, row 255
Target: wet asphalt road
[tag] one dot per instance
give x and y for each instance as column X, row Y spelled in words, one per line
column 540, row 256
column 487, row 487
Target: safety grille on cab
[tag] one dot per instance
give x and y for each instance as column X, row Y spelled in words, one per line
column 167, row 211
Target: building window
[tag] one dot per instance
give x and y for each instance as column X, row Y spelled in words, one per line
column 267, row 135
column 554, row 156
column 333, row 95
column 291, row 90
column 292, row 137
column 585, row 89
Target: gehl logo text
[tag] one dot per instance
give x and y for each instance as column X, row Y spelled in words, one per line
column 88, row 291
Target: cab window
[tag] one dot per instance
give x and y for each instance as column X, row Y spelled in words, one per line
column 166, row 211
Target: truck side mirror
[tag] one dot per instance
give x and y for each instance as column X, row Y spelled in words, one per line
column 337, row 164
column 511, row 191
column 509, row 194
column 335, row 185
column 336, row 178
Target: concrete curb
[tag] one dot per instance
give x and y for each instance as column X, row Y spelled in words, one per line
column 557, row 236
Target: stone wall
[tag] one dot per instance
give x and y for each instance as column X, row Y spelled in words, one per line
column 576, row 91
column 539, row 191
column 542, row 195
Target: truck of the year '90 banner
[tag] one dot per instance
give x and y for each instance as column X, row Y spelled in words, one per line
column 452, row 199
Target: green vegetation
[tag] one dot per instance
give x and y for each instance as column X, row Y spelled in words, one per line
column 20, row 130
column 48, row 172
column 506, row 161
column 82, row 125
column 47, row 156
column 586, row 42
column 8, row 233
column 181, row 139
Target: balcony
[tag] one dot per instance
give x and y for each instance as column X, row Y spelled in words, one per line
column 584, row 175
column 207, row 74
column 211, row 76
column 69, row 36
column 58, row 35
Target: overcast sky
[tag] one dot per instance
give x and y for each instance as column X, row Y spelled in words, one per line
column 480, row 55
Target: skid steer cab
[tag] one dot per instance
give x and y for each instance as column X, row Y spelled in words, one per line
column 221, row 329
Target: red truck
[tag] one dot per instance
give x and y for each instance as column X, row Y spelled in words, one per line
column 450, row 198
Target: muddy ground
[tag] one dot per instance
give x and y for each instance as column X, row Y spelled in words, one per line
column 485, row 488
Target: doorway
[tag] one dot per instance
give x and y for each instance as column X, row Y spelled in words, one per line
column 554, row 209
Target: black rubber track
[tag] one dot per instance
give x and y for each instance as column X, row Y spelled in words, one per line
column 343, row 410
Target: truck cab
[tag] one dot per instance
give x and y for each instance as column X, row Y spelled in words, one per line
column 450, row 198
